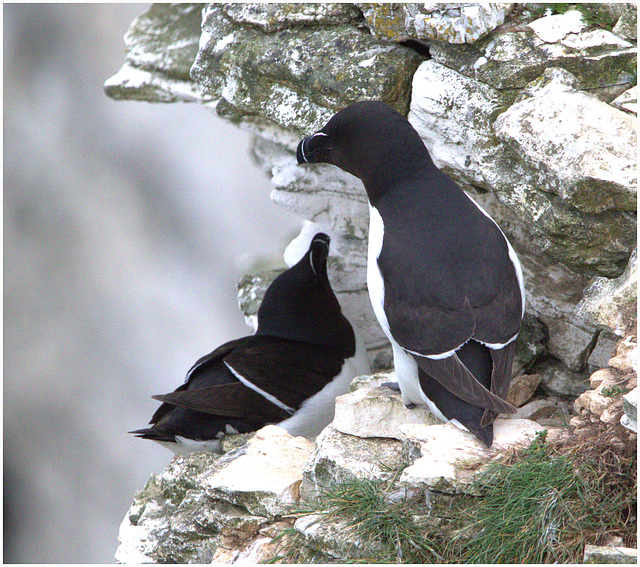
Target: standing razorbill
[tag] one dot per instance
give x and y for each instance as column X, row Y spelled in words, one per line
column 444, row 282
column 303, row 355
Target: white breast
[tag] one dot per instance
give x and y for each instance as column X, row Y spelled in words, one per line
column 374, row 277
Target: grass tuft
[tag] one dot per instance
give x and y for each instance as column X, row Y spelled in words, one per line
column 545, row 503
column 542, row 504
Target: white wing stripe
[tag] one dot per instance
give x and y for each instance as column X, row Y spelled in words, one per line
column 264, row 394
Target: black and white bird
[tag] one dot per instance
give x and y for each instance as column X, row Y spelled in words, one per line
column 444, row 282
column 303, row 354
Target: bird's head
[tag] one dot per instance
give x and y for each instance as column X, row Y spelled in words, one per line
column 370, row 140
column 300, row 304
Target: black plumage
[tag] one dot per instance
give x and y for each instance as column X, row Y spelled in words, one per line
column 445, row 284
column 302, row 356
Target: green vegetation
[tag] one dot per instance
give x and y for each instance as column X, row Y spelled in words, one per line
column 539, row 505
column 614, row 391
column 595, row 14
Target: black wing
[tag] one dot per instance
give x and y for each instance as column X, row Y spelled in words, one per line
column 290, row 371
column 457, row 283
column 453, row 375
column 206, row 372
column 226, row 400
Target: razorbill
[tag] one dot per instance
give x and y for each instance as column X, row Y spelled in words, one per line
column 444, row 282
column 303, row 354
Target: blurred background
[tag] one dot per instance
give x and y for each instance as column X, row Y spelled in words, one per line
column 126, row 228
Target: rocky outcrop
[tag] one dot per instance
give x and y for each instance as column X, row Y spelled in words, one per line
column 204, row 504
column 532, row 114
column 241, row 506
column 453, row 23
column 612, row 397
column 229, row 508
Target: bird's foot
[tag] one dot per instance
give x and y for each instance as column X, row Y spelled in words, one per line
column 396, row 388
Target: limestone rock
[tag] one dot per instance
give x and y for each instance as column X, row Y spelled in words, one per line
column 328, row 536
column 264, row 476
column 553, row 299
column 612, row 392
column 205, row 501
column 630, row 406
column 626, row 354
column 161, row 46
column 609, row 554
column 374, row 410
column 453, row 115
column 171, row 505
column 549, row 411
column 551, row 29
column 270, row 18
column 612, row 303
column 522, row 387
column 628, row 100
column 603, row 349
column 513, row 57
column 530, row 344
column 338, row 458
column 285, row 78
column 563, row 135
column 450, row 457
column 627, row 24
column 558, row 380
column 451, row 22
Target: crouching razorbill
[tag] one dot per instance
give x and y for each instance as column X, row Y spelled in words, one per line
column 444, row 282
column 303, row 355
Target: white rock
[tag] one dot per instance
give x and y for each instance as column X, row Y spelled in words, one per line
column 628, row 100
column 566, row 137
column 612, row 303
column 330, row 536
column 540, row 409
column 551, row 29
column 266, row 476
column 450, row 22
column 134, row 545
column 163, row 88
column 626, row 355
column 601, row 555
column 630, row 405
column 459, row 22
column 450, row 456
column 377, row 412
column 451, row 113
column 338, row 458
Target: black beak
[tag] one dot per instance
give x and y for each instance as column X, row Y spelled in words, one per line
column 318, row 253
column 301, row 151
column 314, row 149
